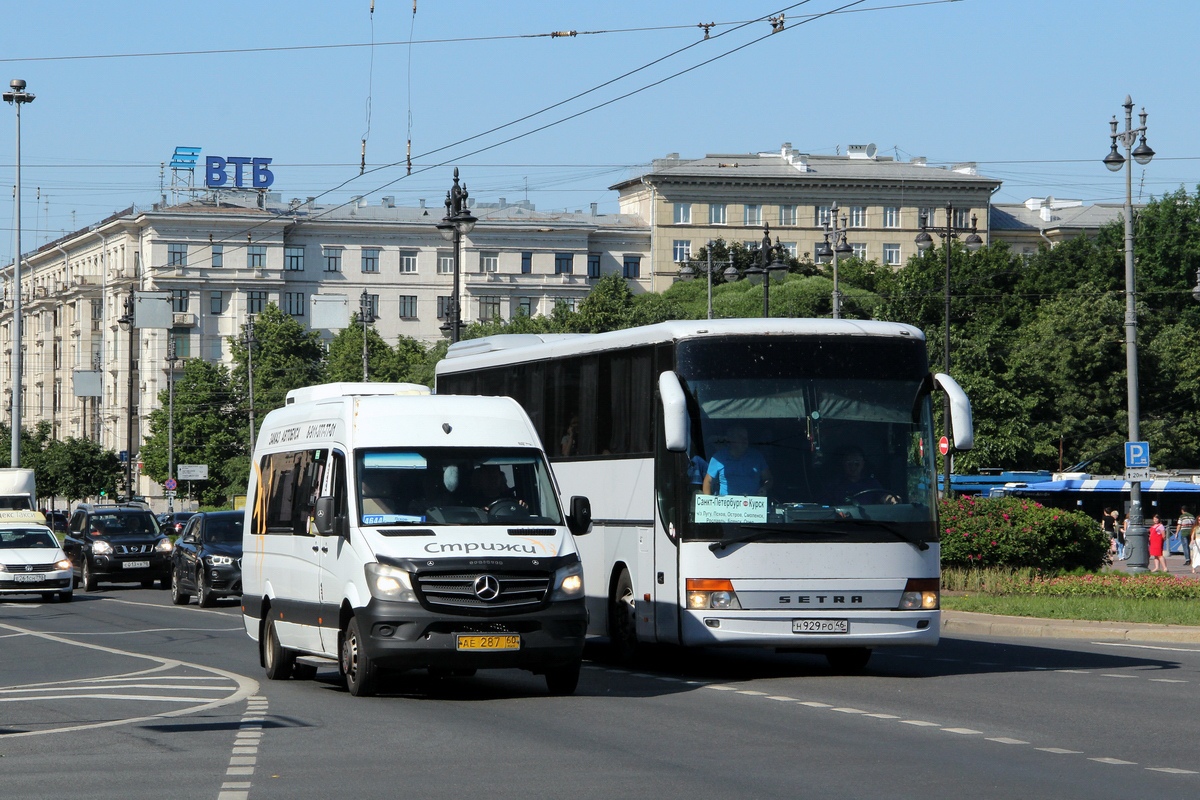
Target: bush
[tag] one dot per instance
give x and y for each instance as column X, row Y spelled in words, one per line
column 1014, row 532
column 998, row 581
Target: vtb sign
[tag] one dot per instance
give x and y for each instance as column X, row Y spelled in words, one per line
column 217, row 176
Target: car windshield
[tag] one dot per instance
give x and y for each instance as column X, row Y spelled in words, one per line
column 224, row 530
column 456, row 486
column 123, row 524
column 26, row 537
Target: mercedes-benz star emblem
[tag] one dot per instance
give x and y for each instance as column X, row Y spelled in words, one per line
column 487, row 587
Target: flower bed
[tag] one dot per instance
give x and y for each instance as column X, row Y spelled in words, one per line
column 1013, row 532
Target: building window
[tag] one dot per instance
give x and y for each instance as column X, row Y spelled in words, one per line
column 790, row 248
column 593, row 265
column 489, row 261
column 256, row 256
column 891, row 217
column 443, row 306
column 176, row 255
column 179, row 301
column 683, row 213
column 408, row 306
column 753, row 214
column 564, row 263
column 293, row 259
column 489, row 308
column 860, row 250
column 858, row 216
column 333, row 258
column 216, row 302
column 256, row 301
column 293, row 303
column 632, row 267
column 565, row 303
column 891, row 255
column 681, row 250
column 526, row 263
column 183, row 342
column 218, row 255
column 445, row 264
column 408, row 263
column 929, row 216
column 962, row 217
column 525, row 306
column 787, row 215
column 822, row 216
column 370, row 259
column 716, row 214
column 372, row 308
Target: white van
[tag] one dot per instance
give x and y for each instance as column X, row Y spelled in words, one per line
column 389, row 528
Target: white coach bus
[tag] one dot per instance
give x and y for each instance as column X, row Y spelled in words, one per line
column 758, row 482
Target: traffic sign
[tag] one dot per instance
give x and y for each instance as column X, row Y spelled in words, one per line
column 192, row 472
column 944, row 446
column 1137, row 455
column 1137, row 474
column 170, row 484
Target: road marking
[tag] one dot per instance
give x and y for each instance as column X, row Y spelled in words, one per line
column 920, row 723
column 1075, row 671
column 1149, row 647
column 815, row 704
column 1116, row 761
column 751, row 692
column 963, row 731
column 1006, row 740
column 1173, row 771
column 883, row 716
column 1167, row 680
column 781, row 698
column 1061, row 752
column 1114, row 675
column 845, row 710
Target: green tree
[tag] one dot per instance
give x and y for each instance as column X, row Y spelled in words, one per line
column 79, row 468
column 286, row 357
column 344, row 360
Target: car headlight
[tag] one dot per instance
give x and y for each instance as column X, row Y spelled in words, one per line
column 101, row 548
column 708, row 593
column 218, row 561
column 164, row 545
column 389, row 583
column 64, row 564
column 568, row 582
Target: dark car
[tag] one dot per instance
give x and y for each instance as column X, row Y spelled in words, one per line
column 56, row 520
column 119, row 543
column 207, row 559
column 172, row 522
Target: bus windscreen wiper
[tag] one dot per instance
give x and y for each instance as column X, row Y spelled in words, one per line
column 752, row 535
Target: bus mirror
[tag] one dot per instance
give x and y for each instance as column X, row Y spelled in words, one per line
column 579, row 521
column 961, row 423
column 325, row 517
column 675, row 414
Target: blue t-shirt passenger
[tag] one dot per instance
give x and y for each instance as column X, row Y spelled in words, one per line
column 737, row 469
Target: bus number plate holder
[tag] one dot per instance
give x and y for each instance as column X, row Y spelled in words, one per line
column 477, row 642
column 820, row 626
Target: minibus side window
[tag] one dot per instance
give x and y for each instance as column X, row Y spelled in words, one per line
column 289, row 484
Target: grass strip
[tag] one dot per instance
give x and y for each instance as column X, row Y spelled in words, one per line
column 1102, row 609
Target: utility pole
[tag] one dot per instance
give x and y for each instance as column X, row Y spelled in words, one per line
column 250, row 342
column 171, row 416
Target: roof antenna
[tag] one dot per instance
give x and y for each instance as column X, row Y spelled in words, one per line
column 362, row 164
column 412, row 26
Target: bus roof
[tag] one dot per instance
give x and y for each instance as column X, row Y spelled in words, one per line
column 528, row 346
column 324, row 391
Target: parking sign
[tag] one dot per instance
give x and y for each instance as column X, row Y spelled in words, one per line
column 1137, row 455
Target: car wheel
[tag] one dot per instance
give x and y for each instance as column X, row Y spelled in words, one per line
column 65, row 597
column 277, row 661
column 89, row 577
column 203, row 592
column 563, row 680
column 361, row 672
column 178, row 596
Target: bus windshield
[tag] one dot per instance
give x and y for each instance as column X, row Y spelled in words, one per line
column 808, row 437
column 455, row 486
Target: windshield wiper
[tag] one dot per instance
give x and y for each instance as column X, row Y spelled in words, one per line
column 753, row 535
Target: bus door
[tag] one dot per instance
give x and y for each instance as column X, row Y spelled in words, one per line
column 666, row 586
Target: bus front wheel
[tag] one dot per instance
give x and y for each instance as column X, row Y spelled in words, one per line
column 622, row 619
column 848, row 660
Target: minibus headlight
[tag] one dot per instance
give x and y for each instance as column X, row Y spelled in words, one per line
column 568, row 582
column 921, row 594
column 389, row 583
column 709, row 593
column 101, row 548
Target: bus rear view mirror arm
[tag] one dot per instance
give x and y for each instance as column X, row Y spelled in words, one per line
column 675, row 414
column 961, row 424
column 579, row 521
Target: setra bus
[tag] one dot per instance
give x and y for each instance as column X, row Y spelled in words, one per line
column 715, row 455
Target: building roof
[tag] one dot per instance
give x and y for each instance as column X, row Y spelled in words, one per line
column 1037, row 214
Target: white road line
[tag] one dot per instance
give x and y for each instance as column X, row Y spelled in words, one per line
column 883, row 716
column 1006, row 740
column 1115, row 761
column 781, row 698
column 1167, row 680
column 963, row 731
column 1148, row 647
column 1075, row 671
column 1058, row 751
column 720, row 687
column 104, row 696
column 1115, row 675
column 847, row 710
column 752, row 692
column 815, row 704
column 70, row 691
column 1173, row 771
column 920, row 723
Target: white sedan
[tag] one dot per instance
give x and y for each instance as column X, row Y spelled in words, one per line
column 32, row 562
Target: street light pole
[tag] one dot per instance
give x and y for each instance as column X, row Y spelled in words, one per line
column 1136, row 534
column 129, row 322
column 171, row 416
column 770, row 260
column 365, row 316
column 840, row 247
column 972, row 242
column 250, row 342
column 17, row 96
column 457, row 223
column 687, row 273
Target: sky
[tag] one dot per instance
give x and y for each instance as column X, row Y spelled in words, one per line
column 1023, row 88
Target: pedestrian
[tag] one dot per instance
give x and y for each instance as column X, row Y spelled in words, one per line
column 1184, row 527
column 1109, row 525
column 1157, row 536
column 1122, row 527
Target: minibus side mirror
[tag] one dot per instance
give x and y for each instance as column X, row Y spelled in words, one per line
column 325, row 520
column 579, row 521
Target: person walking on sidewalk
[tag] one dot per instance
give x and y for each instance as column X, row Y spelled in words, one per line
column 1158, row 534
column 1121, row 526
column 1184, row 527
column 1109, row 525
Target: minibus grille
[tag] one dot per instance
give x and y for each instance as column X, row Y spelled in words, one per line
column 482, row 592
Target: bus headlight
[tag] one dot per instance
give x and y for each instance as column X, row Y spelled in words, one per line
column 705, row 593
column 921, row 594
column 389, row 583
column 568, row 582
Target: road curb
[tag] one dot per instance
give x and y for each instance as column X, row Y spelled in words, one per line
column 968, row 622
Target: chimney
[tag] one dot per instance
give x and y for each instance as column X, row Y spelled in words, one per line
column 503, row 204
column 422, row 202
column 594, row 205
column 389, row 201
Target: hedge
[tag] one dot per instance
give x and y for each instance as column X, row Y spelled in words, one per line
column 1014, row 532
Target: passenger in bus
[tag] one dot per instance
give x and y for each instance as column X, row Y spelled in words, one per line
column 569, row 445
column 855, row 484
column 737, row 468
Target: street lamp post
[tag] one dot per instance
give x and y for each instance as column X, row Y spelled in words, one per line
column 17, row 96
column 366, row 317
column 457, row 223
column 972, row 242
column 687, row 272
column 128, row 322
column 840, row 248
column 250, row 342
column 770, row 260
column 1136, row 534
column 171, row 416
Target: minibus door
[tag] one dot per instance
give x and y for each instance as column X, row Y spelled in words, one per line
column 335, row 555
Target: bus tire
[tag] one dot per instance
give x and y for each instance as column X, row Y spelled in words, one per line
column 622, row 620
column 358, row 667
column 277, row 661
column 848, row 660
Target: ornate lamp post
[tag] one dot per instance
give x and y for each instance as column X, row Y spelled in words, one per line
column 129, row 323
column 770, row 261
column 171, row 359
column 1136, row 535
column 366, row 317
column 687, row 272
column 972, row 242
column 457, row 223
column 17, row 96
column 840, row 248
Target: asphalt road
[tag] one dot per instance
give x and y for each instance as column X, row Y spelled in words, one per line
column 121, row 695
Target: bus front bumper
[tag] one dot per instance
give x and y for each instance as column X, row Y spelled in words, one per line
column 864, row 628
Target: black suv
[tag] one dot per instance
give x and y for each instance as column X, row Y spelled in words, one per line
column 207, row 560
column 119, row 543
